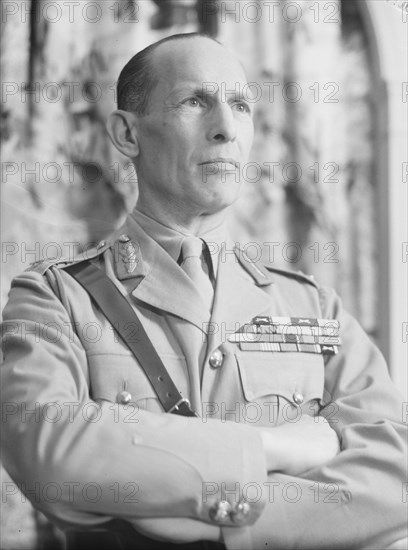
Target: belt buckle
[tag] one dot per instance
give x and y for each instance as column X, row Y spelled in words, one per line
column 182, row 407
column 178, row 404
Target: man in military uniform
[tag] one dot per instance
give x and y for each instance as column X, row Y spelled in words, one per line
column 288, row 430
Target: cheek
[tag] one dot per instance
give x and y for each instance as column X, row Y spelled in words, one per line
column 153, row 147
column 171, row 146
column 247, row 136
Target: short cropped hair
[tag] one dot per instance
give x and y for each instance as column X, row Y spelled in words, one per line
column 138, row 78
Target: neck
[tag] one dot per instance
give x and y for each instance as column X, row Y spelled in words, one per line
column 179, row 218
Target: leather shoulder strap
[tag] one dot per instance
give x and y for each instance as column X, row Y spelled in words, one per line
column 120, row 313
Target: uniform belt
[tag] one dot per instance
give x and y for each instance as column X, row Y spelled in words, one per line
column 120, row 314
column 120, row 535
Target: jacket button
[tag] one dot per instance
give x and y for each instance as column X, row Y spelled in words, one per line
column 298, row 398
column 124, row 238
column 240, row 511
column 220, row 512
column 124, row 397
column 216, row 359
column 101, row 244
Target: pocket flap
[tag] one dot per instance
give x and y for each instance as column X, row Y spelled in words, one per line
column 285, row 374
column 111, row 374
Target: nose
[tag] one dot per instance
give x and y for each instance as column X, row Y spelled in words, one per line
column 223, row 124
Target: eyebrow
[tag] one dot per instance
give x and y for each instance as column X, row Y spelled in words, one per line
column 237, row 96
column 190, row 88
column 209, row 89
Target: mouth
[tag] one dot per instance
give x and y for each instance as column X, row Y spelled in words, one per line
column 221, row 160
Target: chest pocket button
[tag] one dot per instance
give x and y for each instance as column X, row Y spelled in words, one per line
column 216, row 359
column 124, row 397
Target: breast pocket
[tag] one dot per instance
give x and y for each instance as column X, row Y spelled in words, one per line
column 284, row 385
column 119, row 378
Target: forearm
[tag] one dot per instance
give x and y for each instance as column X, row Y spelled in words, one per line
column 293, row 448
column 355, row 500
column 142, row 464
column 128, row 472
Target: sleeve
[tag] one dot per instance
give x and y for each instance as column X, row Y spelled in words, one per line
column 84, row 463
column 359, row 498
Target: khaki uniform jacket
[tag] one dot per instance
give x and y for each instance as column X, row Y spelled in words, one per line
column 83, row 457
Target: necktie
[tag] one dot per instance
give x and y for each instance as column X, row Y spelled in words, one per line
column 192, row 250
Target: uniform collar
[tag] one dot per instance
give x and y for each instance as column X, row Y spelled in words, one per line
column 150, row 274
column 171, row 240
column 136, row 251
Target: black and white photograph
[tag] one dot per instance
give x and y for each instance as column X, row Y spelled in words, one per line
column 204, row 266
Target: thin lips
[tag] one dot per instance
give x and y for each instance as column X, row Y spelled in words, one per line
column 221, row 159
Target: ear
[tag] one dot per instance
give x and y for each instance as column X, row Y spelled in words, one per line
column 121, row 127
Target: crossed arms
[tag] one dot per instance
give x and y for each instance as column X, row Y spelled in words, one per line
column 181, row 467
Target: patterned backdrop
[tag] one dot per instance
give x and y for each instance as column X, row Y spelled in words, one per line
column 309, row 202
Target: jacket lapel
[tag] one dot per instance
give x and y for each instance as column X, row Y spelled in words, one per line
column 156, row 279
column 238, row 296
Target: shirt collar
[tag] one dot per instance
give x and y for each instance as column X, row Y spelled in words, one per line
column 171, row 240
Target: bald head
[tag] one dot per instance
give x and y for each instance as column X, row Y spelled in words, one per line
column 139, row 76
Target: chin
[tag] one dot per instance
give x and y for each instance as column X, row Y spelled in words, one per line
column 220, row 201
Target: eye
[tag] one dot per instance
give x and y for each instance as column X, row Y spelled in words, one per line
column 242, row 107
column 193, row 102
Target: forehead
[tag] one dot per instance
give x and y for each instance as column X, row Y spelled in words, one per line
column 195, row 61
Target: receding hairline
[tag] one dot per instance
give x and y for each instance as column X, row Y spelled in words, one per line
column 173, row 39
column 183, row 37
column 146, row 66
column 149, row 50
column 158, row 55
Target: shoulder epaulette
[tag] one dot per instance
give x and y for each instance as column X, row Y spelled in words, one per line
column 261, row 272
column 254, row 268
column 42, row 266
column 298, row 275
